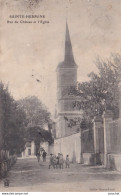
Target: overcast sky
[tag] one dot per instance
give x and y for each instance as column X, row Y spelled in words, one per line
column 36, row 49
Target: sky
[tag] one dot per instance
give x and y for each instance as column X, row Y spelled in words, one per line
column 31, row 52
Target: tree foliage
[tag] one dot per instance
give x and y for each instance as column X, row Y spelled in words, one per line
column 37, row 118
column 101, row 91
column 38, row 135
column 36, row 112
column 22, row 121
column 13, row 122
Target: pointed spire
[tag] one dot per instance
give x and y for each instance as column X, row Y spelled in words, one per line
column 69, row 58
column 69, row 61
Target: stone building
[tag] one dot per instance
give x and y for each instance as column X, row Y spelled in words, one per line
column 67, row 118
column 30, row 150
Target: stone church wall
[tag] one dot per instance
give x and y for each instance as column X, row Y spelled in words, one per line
column 70, row 145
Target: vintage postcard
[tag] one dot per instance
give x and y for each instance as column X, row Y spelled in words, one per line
column 60, row 96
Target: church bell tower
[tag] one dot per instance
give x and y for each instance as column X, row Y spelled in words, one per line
column 66, row 80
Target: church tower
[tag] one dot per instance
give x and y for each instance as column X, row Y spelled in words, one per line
column 66, row 81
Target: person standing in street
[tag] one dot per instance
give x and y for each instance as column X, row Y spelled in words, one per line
column 38, row 156
column 51, row 161
column 61, row 161
column 67, row 161
column 54, row 162
column 44, row 156
column 58, row 156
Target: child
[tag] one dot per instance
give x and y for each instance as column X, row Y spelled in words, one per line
column 51, row 161
column 57, row 158
column 61, row 161
column 54, row 162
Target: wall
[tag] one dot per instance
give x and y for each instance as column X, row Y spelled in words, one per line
column 70, row 145
column 32, row 147
column 115, row 136
column 113, row 144
column 62, row 125
column 88, row 158
column 114, row 162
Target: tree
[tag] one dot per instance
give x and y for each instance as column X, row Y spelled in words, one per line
column 38, row 135
column 13, row 122
column 21, row 121
column 101, row 91
column 37, row 117
column 36, row 112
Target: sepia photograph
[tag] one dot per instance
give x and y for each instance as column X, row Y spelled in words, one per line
column 60, row 96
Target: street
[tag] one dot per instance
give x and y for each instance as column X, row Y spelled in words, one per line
column 29, row 175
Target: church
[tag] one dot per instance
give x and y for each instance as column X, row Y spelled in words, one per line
column 68, row 138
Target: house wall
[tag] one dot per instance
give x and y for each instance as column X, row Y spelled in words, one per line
column 32, row 148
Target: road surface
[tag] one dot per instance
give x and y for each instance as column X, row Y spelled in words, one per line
column 28, row 175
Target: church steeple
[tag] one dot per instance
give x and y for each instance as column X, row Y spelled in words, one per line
column 69, row 61
column 69, row 58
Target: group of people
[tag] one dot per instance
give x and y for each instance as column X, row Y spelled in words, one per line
column 55, row 161
column 58, row 161
column 43, row 154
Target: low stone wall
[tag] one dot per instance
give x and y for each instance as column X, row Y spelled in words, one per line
column 88, row 158
column 70, row 145
column 92, row 159
column 114, row 162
